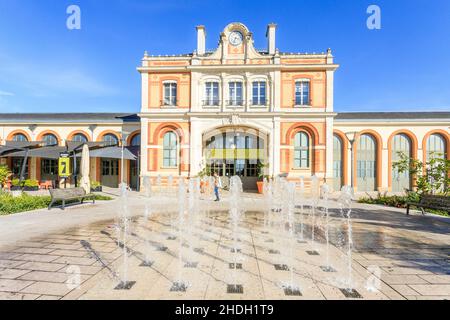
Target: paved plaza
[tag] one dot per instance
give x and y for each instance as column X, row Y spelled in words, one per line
column 45, row 255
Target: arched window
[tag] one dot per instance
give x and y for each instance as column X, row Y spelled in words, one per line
column 136, row 140
column 170, row 146
column 401, row 144
column 50, row 140
column 337, row 162
column 436, row 147
column 110, row 139
column 301, row 150
column 366, row 163
column 20, row 137
column 79, row 137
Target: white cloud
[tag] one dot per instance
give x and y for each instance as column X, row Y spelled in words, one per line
column 51, row 80
column 6, row 93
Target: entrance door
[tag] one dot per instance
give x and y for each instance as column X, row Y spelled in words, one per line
column 110, row 173
column 337, row 163
column 49, row 171
column 236, row 153
column 133, row 174
column 400, row 181
column 366, row 163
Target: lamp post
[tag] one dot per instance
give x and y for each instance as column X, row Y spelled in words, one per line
column 351, row 136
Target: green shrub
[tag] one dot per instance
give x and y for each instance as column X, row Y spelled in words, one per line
column 25, row 202
column 26, row 183
column 4, row 174
column 95, row 184
column 397, row 201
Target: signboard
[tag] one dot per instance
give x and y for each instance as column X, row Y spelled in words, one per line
column 64, row 166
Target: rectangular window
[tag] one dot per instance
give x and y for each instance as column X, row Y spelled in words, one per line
column 302, row 93
column 259, row 93
column 235, row 94
column 170, row 94
column 17, row 167
column 211, row 94
column 49, row 167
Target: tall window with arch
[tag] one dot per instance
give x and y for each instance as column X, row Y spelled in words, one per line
column 337, row 163
column 436, row 147
column 19, row 137
column 110, row 140
column 170, row 150
column 79, row 137
column 50, row 140
column 401, row 144
column 136, row 140
column 302, row 150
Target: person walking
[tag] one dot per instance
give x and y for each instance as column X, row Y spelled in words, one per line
column 217, row 185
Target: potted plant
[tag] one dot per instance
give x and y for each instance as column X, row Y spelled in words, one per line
column 5, row 173
column 261, row 177
column 96, row 186
column 27, row 185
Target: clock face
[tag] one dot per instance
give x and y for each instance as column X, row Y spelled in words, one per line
column 236, row 38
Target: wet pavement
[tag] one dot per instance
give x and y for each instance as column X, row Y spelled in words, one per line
column 394, row 256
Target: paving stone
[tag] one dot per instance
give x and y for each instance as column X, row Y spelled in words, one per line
column 36, row 258
column 12, row 273
column 33, row 250
column 76, row 261
column 69, row 253
column 402, row 279
column 13, row 285
column 42, row 266
column 10, row 263
column 404, row 290
column 432, row 289
column 86, row 270
column 45, row 297
column 436, row 279
column 17, row 296
column 48, row 288
column 57, row 277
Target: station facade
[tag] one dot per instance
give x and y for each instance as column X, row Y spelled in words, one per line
column 241, row 111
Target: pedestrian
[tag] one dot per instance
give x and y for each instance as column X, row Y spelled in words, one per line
column 217, row 186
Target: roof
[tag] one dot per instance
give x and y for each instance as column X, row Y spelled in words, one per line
column 397, row 116
column 69, row 117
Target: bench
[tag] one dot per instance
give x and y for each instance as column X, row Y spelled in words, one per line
column 430, row 202
column 64, row 195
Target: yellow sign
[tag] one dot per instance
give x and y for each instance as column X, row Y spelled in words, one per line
column 64, row 167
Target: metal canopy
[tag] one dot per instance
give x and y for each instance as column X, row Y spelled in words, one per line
column 113, row 153
column 97, row 150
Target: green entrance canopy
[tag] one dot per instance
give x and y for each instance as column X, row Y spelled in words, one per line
column 230, row 154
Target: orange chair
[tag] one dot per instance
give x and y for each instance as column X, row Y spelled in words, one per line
column 46, row 185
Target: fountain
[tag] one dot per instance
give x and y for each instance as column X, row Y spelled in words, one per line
column 235, row 215
column 290, row 288
column 315, row 201
column 124, row 220
column 179, row 285
column 325, row 190
column 159, row 183
column 345, row 204
column 301, row 200
column 169, row 184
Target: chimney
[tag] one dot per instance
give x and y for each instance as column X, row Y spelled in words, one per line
column 201, row 40
column 271, row 32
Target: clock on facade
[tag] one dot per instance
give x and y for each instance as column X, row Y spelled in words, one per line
column 236, row 38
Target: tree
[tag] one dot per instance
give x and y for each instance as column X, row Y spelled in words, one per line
column 431, row 177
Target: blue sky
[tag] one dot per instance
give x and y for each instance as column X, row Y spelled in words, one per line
column 44, row 67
